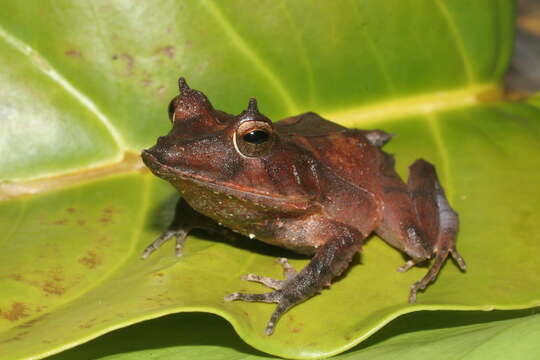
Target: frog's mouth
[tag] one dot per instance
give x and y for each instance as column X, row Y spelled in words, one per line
column 171, row 174
column 157, row 167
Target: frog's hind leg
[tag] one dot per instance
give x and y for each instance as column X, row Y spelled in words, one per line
column 330, row 261
column 438, row 220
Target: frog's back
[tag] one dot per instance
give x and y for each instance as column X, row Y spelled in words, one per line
column 353, row 155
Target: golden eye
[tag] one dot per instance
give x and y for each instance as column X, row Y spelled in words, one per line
column 254, row 138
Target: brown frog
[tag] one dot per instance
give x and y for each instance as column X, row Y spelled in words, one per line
column 303, row 183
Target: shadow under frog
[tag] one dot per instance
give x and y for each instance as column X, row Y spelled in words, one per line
column 305, row 184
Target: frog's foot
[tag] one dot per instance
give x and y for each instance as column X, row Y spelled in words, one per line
column 278, row 296
column 329, row 261
column 185, row 219
column 440, row 257
column 179, row 234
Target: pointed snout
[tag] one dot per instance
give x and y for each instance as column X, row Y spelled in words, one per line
column 148, row 159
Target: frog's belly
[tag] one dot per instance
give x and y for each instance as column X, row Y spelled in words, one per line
column 296, row 233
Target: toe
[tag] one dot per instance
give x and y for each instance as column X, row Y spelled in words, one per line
column 267, row 281
column 271, row 297
column 288, row 269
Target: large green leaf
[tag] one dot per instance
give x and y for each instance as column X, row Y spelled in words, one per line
column 87, row 88
column 441, row 335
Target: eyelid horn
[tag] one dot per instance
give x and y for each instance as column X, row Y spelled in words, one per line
column 254, row 134
column 189, row 103
column 252, row 113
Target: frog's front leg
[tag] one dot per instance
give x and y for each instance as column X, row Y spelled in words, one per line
column 437, row 220
column 185, row 219
column 329, row 261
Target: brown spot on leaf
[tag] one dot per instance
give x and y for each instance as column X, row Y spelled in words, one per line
column 86, row 326
column 81, row 222
column 107, row 215
column 167, row 51
column 16, row 277
column 159, row 274
column 105, row 220
column 60, row 222
column 130, row 63
column 17, row 311
column 91, row 260
column 73, row 53
column 161, row 299
column 70, row 210
column 53, row 288
column 31, row 323
column 296, row 330
column 56, row 275
column 110, row 210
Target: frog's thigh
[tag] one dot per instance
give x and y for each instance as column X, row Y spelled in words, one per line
column 438, row 221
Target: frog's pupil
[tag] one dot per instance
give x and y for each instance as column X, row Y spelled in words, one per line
column 256, row 136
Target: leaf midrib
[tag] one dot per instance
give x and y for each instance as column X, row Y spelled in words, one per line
column 369, row 115
column 127, row 159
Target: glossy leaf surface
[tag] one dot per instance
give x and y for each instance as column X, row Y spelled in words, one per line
column 445, row 335
column 88, row 87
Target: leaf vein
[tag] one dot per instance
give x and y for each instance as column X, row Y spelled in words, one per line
column 441, row 5
column 371, row 46
column 302, row 51
column 42, row 64
column 244, row 48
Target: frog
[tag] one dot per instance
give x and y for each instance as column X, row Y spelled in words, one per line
column 303, row 183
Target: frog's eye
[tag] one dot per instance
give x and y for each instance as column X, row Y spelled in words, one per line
column 172, row 108
column 253, row 138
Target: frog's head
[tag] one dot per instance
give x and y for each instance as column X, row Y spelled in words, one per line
column 242, row 152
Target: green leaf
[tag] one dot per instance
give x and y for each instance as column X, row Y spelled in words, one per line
column 444, row 335
column 87, row 88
